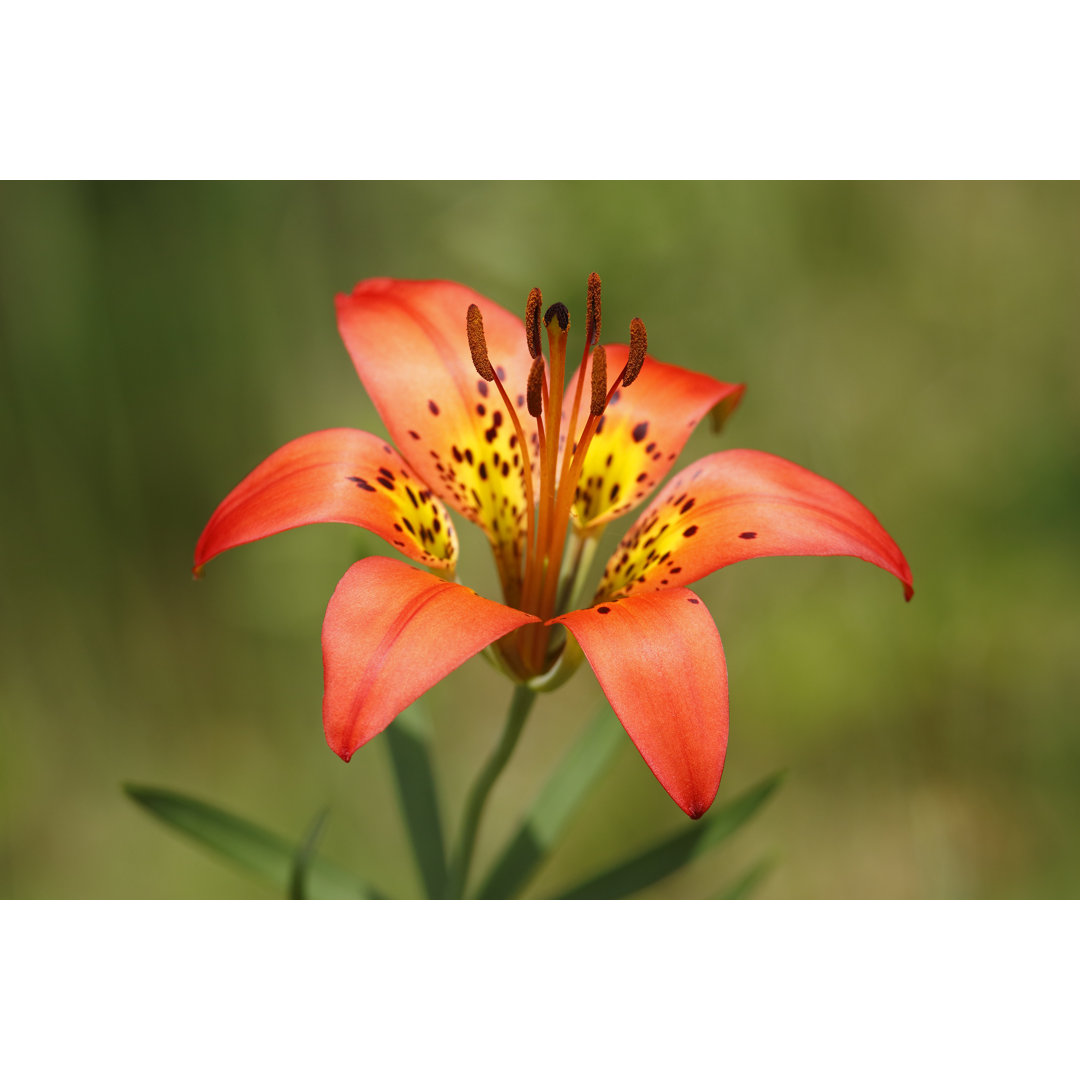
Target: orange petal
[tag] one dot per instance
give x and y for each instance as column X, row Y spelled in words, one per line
column 408, row 342
column 642, row 432
column 659, row 660
column 743, row 504
column 391, row 632
column 337, row 475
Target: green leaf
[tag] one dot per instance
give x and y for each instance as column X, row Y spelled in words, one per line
column 553, row 809
column 409, row 737
column 263, row 853
column 744, row 886
column 298, row 884
column 674, row 853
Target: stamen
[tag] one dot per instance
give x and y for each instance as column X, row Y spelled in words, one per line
column 532, row 323
column 592, row 311
column 638, row 344
column 599, row 381
column 474, row 328
column 535, row 387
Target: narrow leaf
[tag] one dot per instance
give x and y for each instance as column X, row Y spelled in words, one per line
column 298, row 884
column 674, row 853
column 745, row 886
column 553, row 809
column 409, row 737
column 263, row 853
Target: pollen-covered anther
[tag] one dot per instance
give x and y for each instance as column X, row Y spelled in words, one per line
column 599, row 381
column 474, row 327
column 535, row 387
column 638, row 345
column 532, row 322
column 592, row 311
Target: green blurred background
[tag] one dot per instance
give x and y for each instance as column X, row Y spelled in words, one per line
column 918, row 344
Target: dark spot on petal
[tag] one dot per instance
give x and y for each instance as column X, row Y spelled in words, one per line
column 412, row 497
column 483, row 471
column 614, row 492
column 414, row 434
column 433, row 408
column 639, row 432
column 388, row 484
column 641, row 478
column 688, row 505
column 650, row 448
column 501, row 372
column 468, row 456
column 748, row 536
column 600, row 425
column 693, row 600
column 497, row 418
column 690, row 532
column 602, row 610
column 480, row 407
column 408, row 525
column 457, row 454
column 481, row 388
column 363, row 485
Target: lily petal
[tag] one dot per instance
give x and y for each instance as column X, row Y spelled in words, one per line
column 743, row 504
column 407, row 340
column 642, row 432
column 391, row 632
column 338, row 475
column 660, row 662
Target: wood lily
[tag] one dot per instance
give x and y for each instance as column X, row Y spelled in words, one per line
column 486, row 425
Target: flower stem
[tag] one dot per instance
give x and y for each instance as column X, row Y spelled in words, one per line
column 520, row 705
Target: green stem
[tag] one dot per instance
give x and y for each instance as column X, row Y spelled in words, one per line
column 520, row 705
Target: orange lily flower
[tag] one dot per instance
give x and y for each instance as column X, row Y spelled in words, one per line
column 483, row 423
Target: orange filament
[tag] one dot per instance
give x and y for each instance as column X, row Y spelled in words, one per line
column 548, row 515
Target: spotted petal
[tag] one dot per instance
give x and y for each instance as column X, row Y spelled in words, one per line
column 407, row 340
column 337, row 475
column 660, row 662
column 642, row 432
column 391, row 632
column 743, row 504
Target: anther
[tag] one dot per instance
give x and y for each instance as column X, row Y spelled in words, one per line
column 532, row 323
column 599, row 381
column 558, row 311
column 592, row 311
column 474, row 327
column 638, row 344
column 534, row 389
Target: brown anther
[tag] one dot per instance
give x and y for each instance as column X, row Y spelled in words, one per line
column 599, row 381
column 592, row 311
column 558, row 311
column 638, row 344
column 474, row 327
column 532, row 323
column 534, row 390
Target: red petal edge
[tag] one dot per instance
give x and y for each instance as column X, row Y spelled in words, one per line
column 743, row 504
column 340, row 475
column 660, row 662
column 391, row 632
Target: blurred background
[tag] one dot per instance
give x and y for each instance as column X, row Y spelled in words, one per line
column 917, row 344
